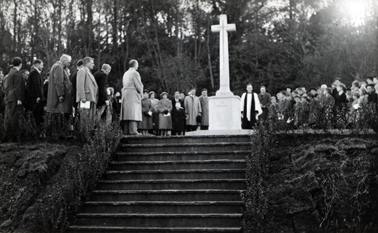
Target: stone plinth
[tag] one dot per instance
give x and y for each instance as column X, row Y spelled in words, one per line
column 224, row 113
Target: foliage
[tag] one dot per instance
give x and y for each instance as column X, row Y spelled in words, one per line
column 297, row 42
column 254, row 197
column 296, row 182
column 50, row 184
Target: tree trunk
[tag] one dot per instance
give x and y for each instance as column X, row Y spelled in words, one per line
column 209, row 54
column 15, row 27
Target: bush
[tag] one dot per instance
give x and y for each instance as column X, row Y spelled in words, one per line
column 311, row 183
column 56, row 186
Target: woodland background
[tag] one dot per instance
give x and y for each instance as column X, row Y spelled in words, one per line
column 276, row 43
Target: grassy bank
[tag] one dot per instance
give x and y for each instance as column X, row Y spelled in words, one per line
column 44, row 182
column 311, row 183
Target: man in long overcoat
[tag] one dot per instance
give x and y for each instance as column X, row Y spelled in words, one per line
column 14, row 87
column 35, row 92
column 87, row 91
column 131, row 105
column 59, row 99
column 192, row 110
column 204, row 100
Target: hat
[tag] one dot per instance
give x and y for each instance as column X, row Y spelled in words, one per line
column 151, row 92
column 313, row 88
column 164, row 93
column 146, row 91
column 288, row 86
column 370, row 85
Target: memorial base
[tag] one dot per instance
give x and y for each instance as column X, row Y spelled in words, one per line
column 224, row 113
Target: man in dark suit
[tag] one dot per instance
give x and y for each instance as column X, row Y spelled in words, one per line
column 14, row 87
column 101, row 77
column 35, row 97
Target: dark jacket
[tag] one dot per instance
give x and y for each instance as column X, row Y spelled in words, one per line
column 35, row 85
column 101, row 79
column 73, row 79
column 14, row 86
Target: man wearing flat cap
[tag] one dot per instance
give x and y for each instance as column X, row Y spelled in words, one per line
column 131, row 105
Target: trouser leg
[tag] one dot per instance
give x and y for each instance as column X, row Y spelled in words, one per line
column 133, row 127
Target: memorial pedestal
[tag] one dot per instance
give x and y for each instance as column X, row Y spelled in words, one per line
column 224, row 113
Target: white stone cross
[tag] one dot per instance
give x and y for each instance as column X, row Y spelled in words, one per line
column 224, row 71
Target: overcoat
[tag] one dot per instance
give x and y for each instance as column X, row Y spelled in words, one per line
column 204, row 100
column 102, row 82
column 86, row 86
column 131, row 107
column 35, row 85
column 146, row 122
column 165, row 122
column 178, row 119
column 192, row 109
column 59, row 84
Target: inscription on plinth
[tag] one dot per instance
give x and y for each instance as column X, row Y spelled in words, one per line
column 224, row 113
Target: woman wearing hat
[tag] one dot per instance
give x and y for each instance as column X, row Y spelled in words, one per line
column 146, row 123
column 155, row 113
column 164, row 108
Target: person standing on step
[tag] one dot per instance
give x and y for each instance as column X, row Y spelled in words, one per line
column 131, row 105
column 176, row 126
column 192, row 110
column 250, row 108
column 146, row 124
column 155, row 113
column 164, row 108
column 204, row 100
column 103, row 103
column 265, row 101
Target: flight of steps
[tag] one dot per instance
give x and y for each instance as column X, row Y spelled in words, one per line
column 170, row 184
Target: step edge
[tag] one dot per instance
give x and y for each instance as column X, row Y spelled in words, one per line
column 178, row 161
column 174, row 171
column 162, row 181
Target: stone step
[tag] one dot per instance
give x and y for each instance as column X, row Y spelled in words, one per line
column 181, row 147
column 176, row 174
column 160, row 220
column 184, row 139
column 177, row 164
column 182, row 156
column 155, row 184
column 171, row 207
column 112, row 229
column 167, row 195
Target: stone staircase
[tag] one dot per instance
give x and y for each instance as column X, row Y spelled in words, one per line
column 170, row 184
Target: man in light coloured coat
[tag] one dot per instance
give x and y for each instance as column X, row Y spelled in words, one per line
column 131, row 105
column 204, row 100
column 192, row 110
column 87, row 93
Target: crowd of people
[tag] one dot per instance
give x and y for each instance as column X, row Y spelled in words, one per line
column 335, row 107
column 85, row 97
